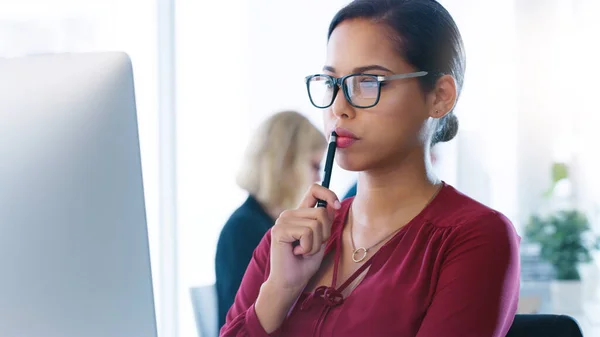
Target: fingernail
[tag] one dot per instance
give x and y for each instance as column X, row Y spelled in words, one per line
column 337, row 204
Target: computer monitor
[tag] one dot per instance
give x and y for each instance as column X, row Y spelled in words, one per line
column 74, row 252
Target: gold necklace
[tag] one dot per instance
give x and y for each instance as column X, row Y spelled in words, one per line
column 364, row 251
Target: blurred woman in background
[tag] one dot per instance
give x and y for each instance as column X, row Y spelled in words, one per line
column 282, row 160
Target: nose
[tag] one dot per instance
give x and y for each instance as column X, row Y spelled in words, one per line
column 341, row 108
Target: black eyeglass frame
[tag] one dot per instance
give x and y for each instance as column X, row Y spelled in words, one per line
column 340, row 82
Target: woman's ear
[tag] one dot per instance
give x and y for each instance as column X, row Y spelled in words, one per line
column 443, row 96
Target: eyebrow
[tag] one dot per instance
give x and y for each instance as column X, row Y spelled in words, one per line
column 362, row 69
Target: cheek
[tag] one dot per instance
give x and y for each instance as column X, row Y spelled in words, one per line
column 316, row 177
column 401, row 115
column 314, row 174
column 409, row 103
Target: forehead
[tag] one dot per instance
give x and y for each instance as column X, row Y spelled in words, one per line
column 359, row 42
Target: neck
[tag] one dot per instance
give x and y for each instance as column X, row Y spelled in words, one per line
column 274, row 212
column 395, row 193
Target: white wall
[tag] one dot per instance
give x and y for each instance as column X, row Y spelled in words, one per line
column 486, row 154
column 557, row 80
column 527, row 100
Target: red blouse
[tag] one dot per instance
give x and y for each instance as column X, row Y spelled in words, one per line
column 452, row 271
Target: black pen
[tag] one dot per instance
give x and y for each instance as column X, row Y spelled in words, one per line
column 327, row 176
column 328, row 165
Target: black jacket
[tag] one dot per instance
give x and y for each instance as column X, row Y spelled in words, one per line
column 239, row 237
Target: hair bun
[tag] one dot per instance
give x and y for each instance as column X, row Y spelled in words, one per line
column 448, row 129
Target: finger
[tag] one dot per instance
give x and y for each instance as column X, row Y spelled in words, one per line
column 299, row 251
column 317, row 233
column 305, row 236
column 324, row 216
column 288, row 234
column 318, row 192
column 320, row 252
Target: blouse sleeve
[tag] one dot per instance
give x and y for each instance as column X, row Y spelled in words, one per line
column 478, row 286
column 241, row 319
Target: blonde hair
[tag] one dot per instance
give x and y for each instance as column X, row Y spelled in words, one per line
column 277, row 158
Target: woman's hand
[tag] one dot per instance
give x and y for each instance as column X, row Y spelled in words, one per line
column 297, row 249
column 298, row 240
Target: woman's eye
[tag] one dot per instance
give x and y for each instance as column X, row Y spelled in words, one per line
column 368, row 83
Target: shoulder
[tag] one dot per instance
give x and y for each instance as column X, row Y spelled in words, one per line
column 250, row 210
column 239, row 238
column 237, row 221
column 490, row 227
column 248, row 222
column 451, row 208
column 466, row 220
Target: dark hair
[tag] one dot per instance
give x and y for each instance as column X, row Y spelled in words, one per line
column 427, row 38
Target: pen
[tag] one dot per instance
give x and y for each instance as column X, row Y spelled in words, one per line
column 328, row 165
column 327, row 176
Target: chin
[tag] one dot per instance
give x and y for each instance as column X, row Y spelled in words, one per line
column 351, row 163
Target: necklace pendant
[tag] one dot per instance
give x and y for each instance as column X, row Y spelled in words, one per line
column 359, row 254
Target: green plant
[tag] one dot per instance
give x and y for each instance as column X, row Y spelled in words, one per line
column 559, row 172
column 565, row 239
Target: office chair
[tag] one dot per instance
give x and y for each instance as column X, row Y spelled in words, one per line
column 204, row 303
column 544, row 326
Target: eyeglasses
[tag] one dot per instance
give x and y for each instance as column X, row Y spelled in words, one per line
column 361, row 90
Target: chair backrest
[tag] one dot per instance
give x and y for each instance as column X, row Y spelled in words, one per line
column 544, row 326
column 204, row 303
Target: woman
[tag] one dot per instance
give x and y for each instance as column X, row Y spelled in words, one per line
column 409, row 255
column 281, row 162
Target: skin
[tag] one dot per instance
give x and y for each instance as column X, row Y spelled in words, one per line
column 313, row 170
column 393, row 159
column 315, row 165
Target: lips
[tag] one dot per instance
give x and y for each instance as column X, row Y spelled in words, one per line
column 341, row 132
column 345, row 138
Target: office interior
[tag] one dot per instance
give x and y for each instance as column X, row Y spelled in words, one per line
column 208, row 72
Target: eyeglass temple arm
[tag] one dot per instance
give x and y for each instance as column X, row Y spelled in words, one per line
column 401, row 76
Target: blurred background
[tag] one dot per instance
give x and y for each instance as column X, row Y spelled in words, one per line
column 208, row 72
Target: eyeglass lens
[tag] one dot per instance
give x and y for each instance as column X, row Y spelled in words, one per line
column 362, row 90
